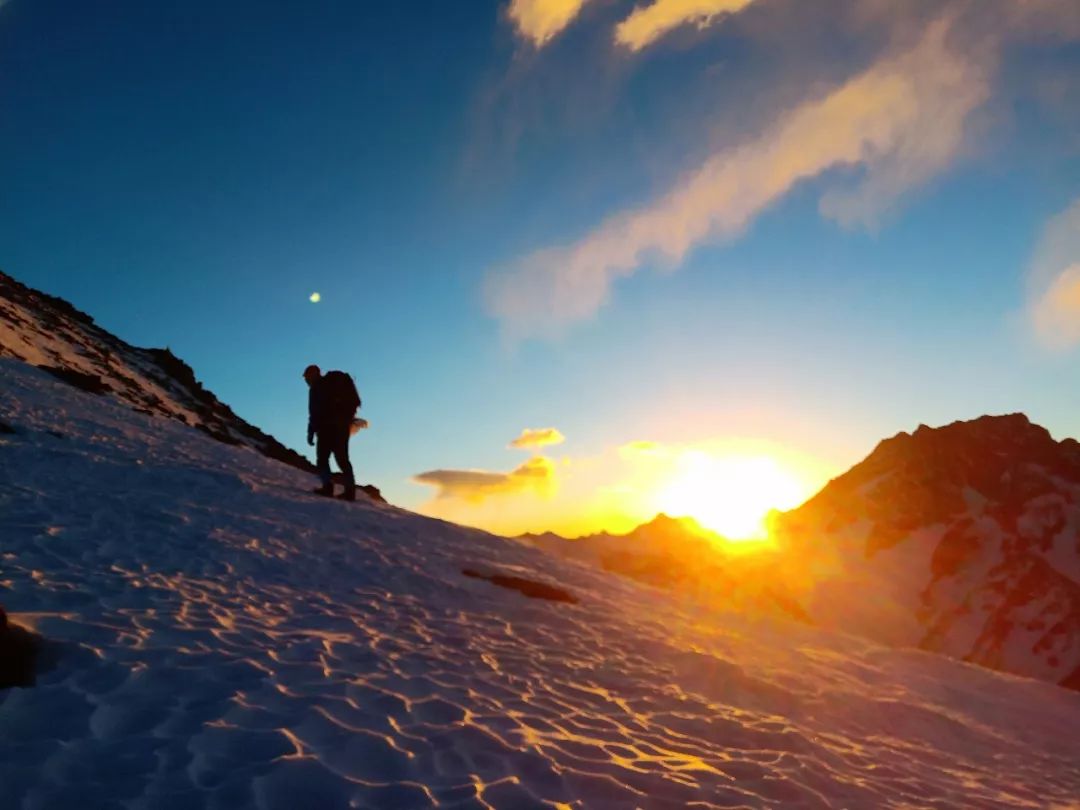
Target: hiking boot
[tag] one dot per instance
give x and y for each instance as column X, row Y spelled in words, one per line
column 348, row 495
column 326, row 491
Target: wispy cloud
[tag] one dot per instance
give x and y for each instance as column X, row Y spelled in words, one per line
column 1055, row 281
column 899, row 123
column 537, row 475
column 646, row 24
column 537, row 437
column 540, row 20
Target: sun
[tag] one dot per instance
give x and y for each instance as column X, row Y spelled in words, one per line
column 732, row 495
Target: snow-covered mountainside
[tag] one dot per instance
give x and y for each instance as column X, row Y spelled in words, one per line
column 217, row 637
column 963, row 540
column 50, row 333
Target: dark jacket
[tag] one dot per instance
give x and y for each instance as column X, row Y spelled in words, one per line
column 332, row 403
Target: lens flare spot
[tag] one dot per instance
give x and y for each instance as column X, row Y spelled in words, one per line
column 315, row 298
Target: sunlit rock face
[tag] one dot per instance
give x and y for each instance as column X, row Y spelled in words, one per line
column 963, row 539
column 50, row 333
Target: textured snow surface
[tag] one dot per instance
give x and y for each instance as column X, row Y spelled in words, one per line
column 224, row 639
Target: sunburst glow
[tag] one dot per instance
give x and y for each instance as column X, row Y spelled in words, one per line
column 732, row 495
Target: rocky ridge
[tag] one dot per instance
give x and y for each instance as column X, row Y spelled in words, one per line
column 50, row 333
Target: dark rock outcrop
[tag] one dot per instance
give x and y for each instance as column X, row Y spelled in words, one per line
column 528, row 587
column 19, row 649
column 90, row 383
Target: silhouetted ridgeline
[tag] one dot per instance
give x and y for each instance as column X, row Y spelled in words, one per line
column 50, row 333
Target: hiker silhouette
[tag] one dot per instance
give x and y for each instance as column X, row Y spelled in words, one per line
column 332, row 404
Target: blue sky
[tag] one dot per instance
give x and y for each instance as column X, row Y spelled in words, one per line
column 190, row 174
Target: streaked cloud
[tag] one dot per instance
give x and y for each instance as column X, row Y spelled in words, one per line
column 891, row 128
column 1055, row 281
column 540, row 20
column 535, row 475
column 646, row 24
column 537, row 437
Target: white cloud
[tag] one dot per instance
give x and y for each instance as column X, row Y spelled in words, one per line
column 537, row 437
column 646, row 24
column 1055, row 281
column 540, row 20
column 899, row 122
column 536, row 474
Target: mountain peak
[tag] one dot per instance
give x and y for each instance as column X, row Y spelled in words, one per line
column 955, row 532
column 662, row 520
column 977, row 452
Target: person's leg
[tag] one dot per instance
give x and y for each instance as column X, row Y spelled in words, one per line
column 341, row 456
column 323, row 447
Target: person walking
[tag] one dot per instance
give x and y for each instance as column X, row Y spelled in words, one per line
column 332, row 404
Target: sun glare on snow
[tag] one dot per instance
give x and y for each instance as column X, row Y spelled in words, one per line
column 731, row 495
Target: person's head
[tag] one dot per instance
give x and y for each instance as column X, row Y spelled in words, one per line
column 311, row 374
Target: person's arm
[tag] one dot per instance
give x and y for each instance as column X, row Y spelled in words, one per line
column 311, row 415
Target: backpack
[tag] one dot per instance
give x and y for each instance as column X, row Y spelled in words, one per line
column 341, row 397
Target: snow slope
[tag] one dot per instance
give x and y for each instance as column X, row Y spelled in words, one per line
column 222, row 639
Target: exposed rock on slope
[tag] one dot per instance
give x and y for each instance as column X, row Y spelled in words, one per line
column 962, row 540
column 48, row 332
column 18, row 654
column 527, row 587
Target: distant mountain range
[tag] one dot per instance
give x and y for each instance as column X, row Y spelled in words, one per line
column 664, row 540
column 50, row 333
column 681, row 555
column 962, row 540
